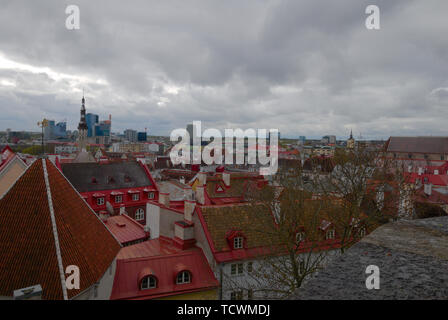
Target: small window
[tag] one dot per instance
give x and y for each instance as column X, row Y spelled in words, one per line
column 300, row 236
column 330, row 234
column 236, row 295
column 362, row 232
column 238, row 243
column 94, row 180
column 236, row 269
column 150, row 195
column 118, row 199
column 183, row 277
column 110, row 180
column 250, row 267
column 100, row 201
column 250, row 294
column 127, row 178
column 135, row 196
column 139, row 214
column 148, row 282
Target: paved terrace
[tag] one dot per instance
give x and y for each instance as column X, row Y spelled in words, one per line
column 412, row 257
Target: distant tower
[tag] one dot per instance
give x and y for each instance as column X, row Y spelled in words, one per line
column 351, row 141
column 82, row 127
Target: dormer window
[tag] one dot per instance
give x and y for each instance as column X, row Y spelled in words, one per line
column 100, row 201
column 119, row 199
column 149, row 282
column 300, row 236
column 150, row 195
column 183, row 277
column 135, row 197
column 139, row 214
column 238, row 242
column 330, row 234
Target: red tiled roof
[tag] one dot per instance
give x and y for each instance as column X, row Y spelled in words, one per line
column 160, row 258
column 125, row 229
column 28, row 253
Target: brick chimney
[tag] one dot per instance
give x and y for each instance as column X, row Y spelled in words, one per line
column 164, row 198
column 226, row 178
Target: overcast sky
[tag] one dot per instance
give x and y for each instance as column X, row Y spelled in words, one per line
column 305, row 67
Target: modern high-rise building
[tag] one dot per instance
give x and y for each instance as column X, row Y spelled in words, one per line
column 55, row 130
column 130, row 135
column 91, row 120
column 142, row 137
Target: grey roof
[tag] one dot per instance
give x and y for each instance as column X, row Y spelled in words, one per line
column 418, row 144
column 412, row 257
column 108, row 176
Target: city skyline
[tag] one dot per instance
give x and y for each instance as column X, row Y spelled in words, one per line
column 155, row 66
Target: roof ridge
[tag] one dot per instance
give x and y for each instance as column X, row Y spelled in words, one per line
column 55, row 230
column 60, row 171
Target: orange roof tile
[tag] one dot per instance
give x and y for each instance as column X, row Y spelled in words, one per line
column 28, row 243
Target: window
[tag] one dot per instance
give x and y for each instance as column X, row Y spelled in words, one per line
column 300, row 236
column 236, row 295
column 236, row 269
column 118, row 199
column 330, row 234
column 148, row 282
column 150, row 195
column 183, row 277
column 139, row 214
column 362, row 232
column 100, row 201
column 250, row 294
column 250, row 267
column 238, row 243
column 135, row 196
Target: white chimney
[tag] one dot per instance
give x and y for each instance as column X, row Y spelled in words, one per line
column 226, row 178
column 436, row 172
column 202, row 177
column 189, row 206
column 428, row 189
column 164, row 198
column 200, row 194
column 122, row 209
column 420, row 171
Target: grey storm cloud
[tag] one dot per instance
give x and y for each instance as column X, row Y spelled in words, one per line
column 305, row 67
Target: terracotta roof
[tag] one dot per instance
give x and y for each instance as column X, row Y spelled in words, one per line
column 160, row 258
column 418, row 144
column 125, row 229
column 28, row 241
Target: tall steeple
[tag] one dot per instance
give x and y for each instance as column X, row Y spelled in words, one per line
column 351, row 141
column 82, row 127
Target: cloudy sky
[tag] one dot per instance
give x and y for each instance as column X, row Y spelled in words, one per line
column 305, row 67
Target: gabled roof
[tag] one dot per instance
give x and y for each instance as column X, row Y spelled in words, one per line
column 219, row 221
column 160, row 258
column 116, row 175
column 46, row 226
column 7, row 156
column 417, row 144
